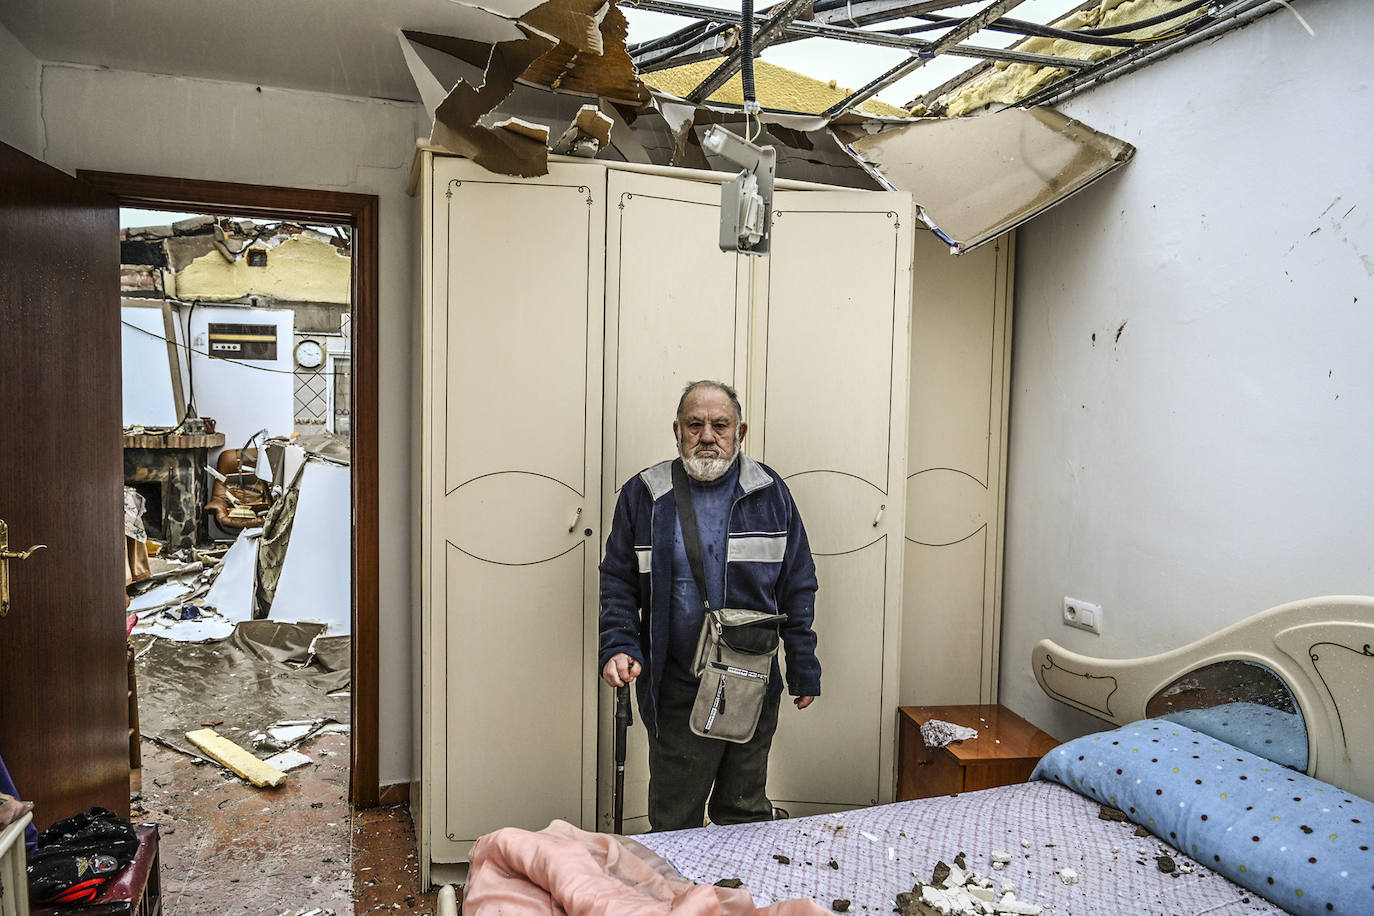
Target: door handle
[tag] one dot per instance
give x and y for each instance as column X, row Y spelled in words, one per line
column 572, row 525
column 5, row 556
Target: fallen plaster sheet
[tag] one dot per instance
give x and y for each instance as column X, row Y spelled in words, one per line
column 232, row 591
column 168, row 624
column 977, row 178
column 316, row 583
column 321, row 660
column 221, row 593
column 184, row 687
column 287, row 761
column 173, row 591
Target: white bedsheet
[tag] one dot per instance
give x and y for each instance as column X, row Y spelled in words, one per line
column 1044, row 826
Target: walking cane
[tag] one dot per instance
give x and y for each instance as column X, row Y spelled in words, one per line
column 623, row 720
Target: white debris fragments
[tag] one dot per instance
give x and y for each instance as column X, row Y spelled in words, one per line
column 955, row 890
column 1068, row 876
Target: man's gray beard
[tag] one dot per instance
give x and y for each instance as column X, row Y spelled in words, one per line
column 708, row 469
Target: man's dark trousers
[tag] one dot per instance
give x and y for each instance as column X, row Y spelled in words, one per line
column 684, row 767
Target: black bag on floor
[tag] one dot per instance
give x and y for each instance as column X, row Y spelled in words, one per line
column 76, row 856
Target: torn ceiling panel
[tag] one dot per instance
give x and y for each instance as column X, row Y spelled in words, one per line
column 600, row 68
column 456, row 119
column 572, row 46
column 978, row 177
column 609, row 74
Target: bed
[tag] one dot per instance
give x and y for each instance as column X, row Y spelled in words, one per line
column 1237, row 780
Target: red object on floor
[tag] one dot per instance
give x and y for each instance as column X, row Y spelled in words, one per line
column 135, row 891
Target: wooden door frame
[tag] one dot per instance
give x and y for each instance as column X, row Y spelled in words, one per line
column 361, row 212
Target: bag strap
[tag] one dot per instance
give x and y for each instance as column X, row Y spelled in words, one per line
column 691, row 536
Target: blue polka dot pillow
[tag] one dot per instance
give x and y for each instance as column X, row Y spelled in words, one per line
column 1297, row 841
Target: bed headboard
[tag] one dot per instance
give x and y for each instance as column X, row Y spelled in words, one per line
column 1311, row 658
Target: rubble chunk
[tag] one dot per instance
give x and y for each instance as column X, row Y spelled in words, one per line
column 840, row 906
column 1068, row 876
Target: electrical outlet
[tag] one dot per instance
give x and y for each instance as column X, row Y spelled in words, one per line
column 1083, row 614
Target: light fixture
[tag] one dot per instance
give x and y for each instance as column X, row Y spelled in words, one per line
column 746, row 201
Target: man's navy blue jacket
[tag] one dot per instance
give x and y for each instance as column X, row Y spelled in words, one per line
column 768, row 568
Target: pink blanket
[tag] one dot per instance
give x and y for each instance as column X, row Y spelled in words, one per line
column 563, row 870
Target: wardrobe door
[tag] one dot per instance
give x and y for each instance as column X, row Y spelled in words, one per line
column 677, row 310
column 512, row 496
column 829, row 395
column 956, row 473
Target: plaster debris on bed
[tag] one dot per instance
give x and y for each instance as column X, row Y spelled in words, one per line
column 954, row 890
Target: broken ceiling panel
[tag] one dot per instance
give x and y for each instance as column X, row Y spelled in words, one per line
column 608, row 73
column 456, row 119
column 976, row 178
column 572, row 46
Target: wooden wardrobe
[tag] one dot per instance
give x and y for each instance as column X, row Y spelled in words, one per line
column 561, row 317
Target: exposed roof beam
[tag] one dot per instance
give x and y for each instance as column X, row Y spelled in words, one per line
column 952, row 38
column 827, row 12
column 842, row 33
column 771, row 31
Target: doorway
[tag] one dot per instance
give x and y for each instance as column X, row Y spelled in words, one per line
column 359, row 215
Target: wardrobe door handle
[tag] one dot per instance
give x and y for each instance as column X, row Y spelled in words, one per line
column 879, row 517
column 572, row 525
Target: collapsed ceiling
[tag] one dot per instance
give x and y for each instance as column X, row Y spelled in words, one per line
column 507, row 80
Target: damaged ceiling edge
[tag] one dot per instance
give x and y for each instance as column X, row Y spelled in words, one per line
column 973, row 178
column 978, row 178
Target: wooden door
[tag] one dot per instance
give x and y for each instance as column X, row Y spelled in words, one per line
column 829, row 395
column 511, row 496
column 63, row 680
column 676, row 311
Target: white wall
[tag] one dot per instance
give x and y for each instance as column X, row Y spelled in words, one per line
column 240, row 396
column 157, row 125
column 147, row 372
column 1211, row 454
column 19, row 73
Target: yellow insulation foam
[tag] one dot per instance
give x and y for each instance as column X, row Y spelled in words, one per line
column 1008, row 83
column 776, row 87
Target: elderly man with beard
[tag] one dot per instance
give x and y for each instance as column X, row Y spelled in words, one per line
column 755, row 555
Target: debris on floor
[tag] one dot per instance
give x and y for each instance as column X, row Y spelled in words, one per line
column 250, row 683
column 221, row 853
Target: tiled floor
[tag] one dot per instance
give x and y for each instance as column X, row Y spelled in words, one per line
column 228, row 847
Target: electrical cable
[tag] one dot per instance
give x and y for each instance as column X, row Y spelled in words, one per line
column 746, row 46
column 1153, row 20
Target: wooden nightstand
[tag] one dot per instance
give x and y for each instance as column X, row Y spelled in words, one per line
column 1006, row 750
